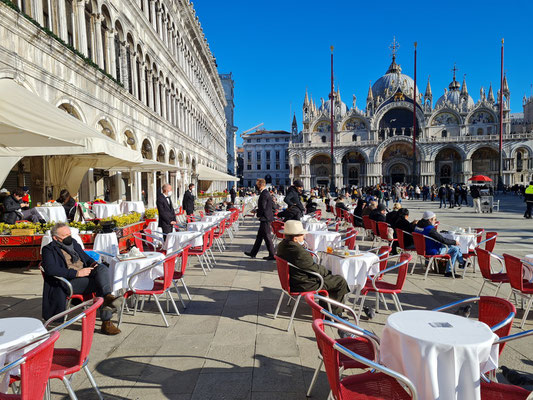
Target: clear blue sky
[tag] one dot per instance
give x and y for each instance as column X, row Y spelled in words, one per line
column 276, row 49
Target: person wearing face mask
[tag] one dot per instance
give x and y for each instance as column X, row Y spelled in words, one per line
column 188, row 200
column 64, row 257
column 165, row 209
column 291, row 249
column 266, row 216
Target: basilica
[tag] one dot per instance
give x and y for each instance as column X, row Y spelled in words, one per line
column 456, row 137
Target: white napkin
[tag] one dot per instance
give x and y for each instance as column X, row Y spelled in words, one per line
column 134, row 252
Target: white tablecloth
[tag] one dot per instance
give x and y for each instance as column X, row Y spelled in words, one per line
column 122, row 270
column 178, row 240
column 528, row 269
column 199, row 226
column 130, row 206
column 315, row 226
column 224, row 214
column 47, row 238
column 306, row 218
column 213, row 218
column 354, row 269
column 442, row 362
column 107, row 242
column 106, row 210
column 53, row 214
column 467, row 241
column 15, row 332
column 320, row 240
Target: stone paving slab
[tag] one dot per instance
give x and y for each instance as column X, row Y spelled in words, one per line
column 226, row 344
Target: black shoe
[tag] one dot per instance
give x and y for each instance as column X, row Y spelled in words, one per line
column 462, row 265
column 448, row 274
column 269, row 258
column 247, row 253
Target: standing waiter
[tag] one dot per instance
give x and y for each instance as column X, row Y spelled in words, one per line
column 165, row 209
column 188, row 200
column 266, row 216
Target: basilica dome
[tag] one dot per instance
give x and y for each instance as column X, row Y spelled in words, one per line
column 393, row 80
column 455, row 95
column 327, row 105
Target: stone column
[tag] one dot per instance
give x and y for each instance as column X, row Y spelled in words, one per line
column 37, row 11
column 136, row 188
column 151, row 189
column 134, row 77
column 159, row 23
column 163, row 88
column 164, row 29
column 157, row 99
column 467, row 169
column 62, row 21
column 338, row 175
column 142, row 79
column 99, row 48
column 154, row 14
column 146, row 4
column 110, row 47
column 79, row 10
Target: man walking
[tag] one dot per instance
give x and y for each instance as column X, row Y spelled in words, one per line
column 266, row 216
column 476, row 198
column 188, row 200
column 165, row 209
column 528, row 194
column 442, row 196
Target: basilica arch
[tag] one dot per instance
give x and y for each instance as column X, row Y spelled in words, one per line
column 396, row 119
column 485, row 161
column 353, row 168
column 397, row 162
column 448, row 166
column 320, row 166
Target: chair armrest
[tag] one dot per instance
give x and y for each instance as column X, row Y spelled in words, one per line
column 350, row 310
column 518, row 335
column 66, row 282
column 372, row 336
column 456, row 303
column 316, row 258
column 106, row 254
column 375, row 278
column 436, row 241
column 310, row 273
column 83, row 305
column 506, row 321
column 348, row 237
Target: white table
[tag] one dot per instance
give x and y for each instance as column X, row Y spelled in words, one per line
column 306, row 218
column 107, row 242
column 178, row 240
column 212, row 218
column 315, row 226
column 442, row 362
column 15, row 333
column 320, row 240
column 354, row 269
column 127, row 207
column 224, row 214
column 199, row 226
column 467, row 241
column 53, row 213
column 47, row 238
column 121, row 271
column 106, row 210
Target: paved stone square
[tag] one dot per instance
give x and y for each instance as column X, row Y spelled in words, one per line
column 226, row 345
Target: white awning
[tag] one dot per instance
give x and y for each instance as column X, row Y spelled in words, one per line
column 149, row 166
column 210, row 174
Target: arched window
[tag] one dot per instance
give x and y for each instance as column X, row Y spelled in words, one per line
column 480, row 131
column 354, row 138
column 323, row 139
column 444, row 133
column 89, row 30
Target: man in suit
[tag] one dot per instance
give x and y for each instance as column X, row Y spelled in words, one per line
column 291, row 249
column 266, row 216
column 188, row 200
column 65, row 258
column 165, row 209
column 233, row 194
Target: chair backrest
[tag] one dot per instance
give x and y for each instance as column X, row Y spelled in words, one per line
column 149, row 238
column 402, row 270
column 383, row 253
column 169, row 265
column 201, row 214
column 350, row 242
column 399, row 236
column 479, row 232
column 137, row 239
column 87, row 329
column 420, row 244
column 330, row 357
column 484, row 261
column 366, row 222
column 283, row 273
column 318, row 214
column 490, row 238
column 514, row 267
column 316, row 309
column 184, row 256
column 191, row 218
column 35, row 370
column 277, row 226
column 374, row 226
column 211, row 237
column 383, row 229
column 493, row 310
column 205, row 241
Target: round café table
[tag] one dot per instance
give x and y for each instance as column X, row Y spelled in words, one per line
column 315, row 226
column 467, row 241
column 199, row 226
column 106, row 242
column 52, row 213
column 106, row 210
column 213, row 218
column 177, row 240
column 321, row 240
column 127, row 207
column 15, row 332
column 442, row 354
column 355, row 269
column 121, row 271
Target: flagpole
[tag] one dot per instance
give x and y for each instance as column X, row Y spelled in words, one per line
column 331, row 96
column 414, row 177
column 500, row 167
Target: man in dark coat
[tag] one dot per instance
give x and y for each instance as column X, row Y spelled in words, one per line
column 13, row 212
column 291, row 250
column 266, row 216
column 292, row 198
column 64, row 257
column 402, row 222
column 378, row 214
column 188, row 200
column 165, row 209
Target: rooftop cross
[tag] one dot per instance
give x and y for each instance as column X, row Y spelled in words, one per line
column 454, row 69
column 394, row 47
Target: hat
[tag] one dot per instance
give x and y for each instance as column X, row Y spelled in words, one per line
column 293, row 227
column 25, row 188
column 298, row 183
column 4, row 190
column 381, row 207
column 428, row 215
column 396, row 206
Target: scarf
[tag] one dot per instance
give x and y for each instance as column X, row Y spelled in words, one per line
column 74, row 256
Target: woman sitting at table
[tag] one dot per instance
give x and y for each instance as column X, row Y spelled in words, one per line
column 209, row 206
column 68, row 203
column 291, row 249
column 392, row 215
column 370, row 206
column 402, row 222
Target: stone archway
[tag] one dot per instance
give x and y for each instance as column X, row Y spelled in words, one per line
column 448, row 166
column 485, row 161
column 398, row 172
column 398, row 153
column 320, row 166
column 353, row 167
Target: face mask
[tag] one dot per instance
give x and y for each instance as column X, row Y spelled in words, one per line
column 301, row 243
column 169, row 194
column 67, row 241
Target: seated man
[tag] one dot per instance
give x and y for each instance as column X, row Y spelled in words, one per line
column 426, row 226
column 13, row 212
column 402, row 222
column 378, row 214
column 311, row 205
column 291, row 249
column 392, row 215
column 209, row 207
column 340, row 203
column 64, row 257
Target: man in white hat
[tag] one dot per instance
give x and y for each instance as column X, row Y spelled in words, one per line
column 291, row 249
column 435, row 245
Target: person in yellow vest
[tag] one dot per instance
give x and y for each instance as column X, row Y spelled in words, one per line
column 529, row 200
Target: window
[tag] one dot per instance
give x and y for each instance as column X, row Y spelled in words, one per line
column 249, row 156
column 258, row 156
column 267, row 140
column 444, row 133
column 268, row 166
column 277, row 166
column 277, row 140
column 258, row 140
column 323, row 139
column 354, row 138
column 268, row 155
column 286, row 165
column 258, row 166
column 277, row 155
column 249, row 167
column 70, row 21
column 480, row 131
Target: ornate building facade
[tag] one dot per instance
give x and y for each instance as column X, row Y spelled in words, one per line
column 456, row 137
column 140, row 72
column 231, row 139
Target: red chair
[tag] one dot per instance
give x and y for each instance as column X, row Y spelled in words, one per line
column 183, row 256
column 496, row 312
column 367, row 225
column 420, row 246
column 66, row 362
column 484, row 258
column 490, row 241
column 318, row 214
column 201, row 252
column 519, row 285
column 500, row 391
column 375, row 232
column 383, row 229
column 142, row 244
column 277, row 227
column 350, row 239
column 160, row 287
column 471, row 256
column 284, row 279
column 34, row 370
column 385, row 384
column 381, row 287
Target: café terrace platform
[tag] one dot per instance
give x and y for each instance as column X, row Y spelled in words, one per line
column 226, row 345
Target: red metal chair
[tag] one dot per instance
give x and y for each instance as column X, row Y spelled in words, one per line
column 490, row 241
column 383, row 229
column 471, row 256
column 66, row 362
column 350, row 239
column 375, row 232
column 367, row 225
column 519, row 285
column 159, row 288
column 201, row 252
column 34, row 369
column 484, row 258
column 183, row 256
column 318, row 214
column 385, row 384
column 500, row 391
column 284, row 279
column 142, row 244
column 381, row 287
column 420, row 246
column 277, row 226
column 219, row 232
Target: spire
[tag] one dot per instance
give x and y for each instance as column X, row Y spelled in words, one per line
column 338, row 93
column 490, row 97
column 464, row 90
column 454, row 85
column 294, row 125
column 506, row 91
column 428, row 93
column 306, row 100
column 394, row 68
column 370, row 96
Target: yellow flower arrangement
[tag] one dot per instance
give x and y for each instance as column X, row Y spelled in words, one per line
column 150, row 213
